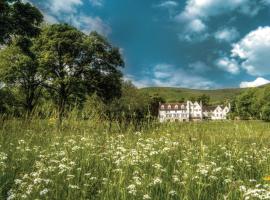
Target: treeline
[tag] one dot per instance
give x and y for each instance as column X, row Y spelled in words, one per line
column 47, row 68
column 253, row 103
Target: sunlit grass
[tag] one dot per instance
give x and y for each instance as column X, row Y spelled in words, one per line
column 93, row 160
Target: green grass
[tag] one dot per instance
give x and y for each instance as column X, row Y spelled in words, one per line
column 176, row 94
column 88, row 160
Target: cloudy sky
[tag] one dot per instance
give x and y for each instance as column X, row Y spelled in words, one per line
column 182, row 43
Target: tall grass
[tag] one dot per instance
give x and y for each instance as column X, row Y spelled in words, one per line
column 93, row 159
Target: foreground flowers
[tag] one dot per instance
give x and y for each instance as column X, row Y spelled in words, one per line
column 163, row 163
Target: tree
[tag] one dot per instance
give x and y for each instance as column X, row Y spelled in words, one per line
column 205, row 99
column 17, row 18
column 133, row 106
column 244, row 103
column 19, row 70
column 104, row 76
column 76, row 64
column 8, row 103
column 154, row 104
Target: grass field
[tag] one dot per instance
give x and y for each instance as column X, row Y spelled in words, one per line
column 84, row 160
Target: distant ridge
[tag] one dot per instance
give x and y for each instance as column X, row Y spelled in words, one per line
column 171, row 94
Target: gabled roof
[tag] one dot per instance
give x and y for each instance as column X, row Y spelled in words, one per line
column 172, row 106
column 209, row 108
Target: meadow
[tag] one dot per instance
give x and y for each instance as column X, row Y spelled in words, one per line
column 87, row 159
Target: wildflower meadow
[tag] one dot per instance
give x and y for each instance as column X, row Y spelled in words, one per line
column 94, row 160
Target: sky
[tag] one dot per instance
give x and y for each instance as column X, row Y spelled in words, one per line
column 202, row 44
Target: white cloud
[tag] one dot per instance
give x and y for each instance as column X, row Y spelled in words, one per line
column 50, row 18
column 198, row 67
column 138, row 83
column 254, row 50
column 197, row 12
column 258, row 82
column 229, row 65
column 203, row 9
column 88, row 24
column 196, row 25
column 227, row 34
column 165, row 75
column 193, row 37
column 63, row 6
column 97, row 3
column 67, row 10
column 168, row 4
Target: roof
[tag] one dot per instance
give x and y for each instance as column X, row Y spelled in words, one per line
column 172, row 106
column 209, row 108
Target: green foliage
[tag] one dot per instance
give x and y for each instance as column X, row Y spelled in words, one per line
column 244, row 104
column 204, row 99
column 20, row 71
column 253, row 104
column 8, row 103
column 75, row 64
column 17, row 18
column 155, row 101
column 131, row 107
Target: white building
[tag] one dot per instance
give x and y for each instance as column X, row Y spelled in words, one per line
column 189, row 111
column 220, row 112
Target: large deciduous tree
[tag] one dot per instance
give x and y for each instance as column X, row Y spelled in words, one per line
column 17, row 18
column 75, row 64
column 20, row 71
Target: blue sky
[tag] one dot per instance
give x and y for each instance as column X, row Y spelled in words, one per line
column 182, row 43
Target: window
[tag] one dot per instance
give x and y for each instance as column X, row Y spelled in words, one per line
column 182, row 107
column 169, row 107
column 176, row 107
column 162, row 107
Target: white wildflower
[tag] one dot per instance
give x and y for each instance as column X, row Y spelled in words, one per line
column 146, row 196
column 43, row 192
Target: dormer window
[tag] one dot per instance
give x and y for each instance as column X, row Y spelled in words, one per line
column 176, row 107
column 169, row 107
column 182, row 107
column 162, row 107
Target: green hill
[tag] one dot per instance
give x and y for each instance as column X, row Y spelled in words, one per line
column 177, row 94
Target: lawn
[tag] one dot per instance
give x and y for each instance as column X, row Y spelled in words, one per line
column 89, row 160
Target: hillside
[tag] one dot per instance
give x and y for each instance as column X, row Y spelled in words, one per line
column 177, row 94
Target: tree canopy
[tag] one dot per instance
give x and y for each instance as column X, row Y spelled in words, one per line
column 21, row 72
column 75, row 64
column 17, row 18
